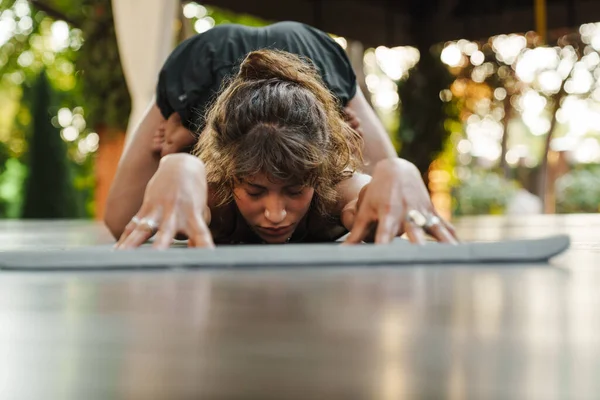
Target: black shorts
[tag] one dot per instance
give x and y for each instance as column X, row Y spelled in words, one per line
column 193, row 74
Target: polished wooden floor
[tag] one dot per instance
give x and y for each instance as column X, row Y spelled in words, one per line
column 421, row 332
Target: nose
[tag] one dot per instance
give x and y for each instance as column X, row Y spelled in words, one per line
column 275, row 211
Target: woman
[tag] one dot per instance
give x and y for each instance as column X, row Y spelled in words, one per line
column 276, row 163
column 192, row 77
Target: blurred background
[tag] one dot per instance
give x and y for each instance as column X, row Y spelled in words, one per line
column 496, row 102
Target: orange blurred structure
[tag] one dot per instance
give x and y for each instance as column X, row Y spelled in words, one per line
column 107, row 160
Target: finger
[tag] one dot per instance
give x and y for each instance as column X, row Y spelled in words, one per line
column 157, row 142
column 441, row 234
column 451, row 229
column 386, row 229
column 141, row 233
column 360, row 228
column 130, row 227
column 351, row 118
column 165, row 234
column 415, row 233
column 199, row 234
column 204, row 240
column 139, row 236
column 145, row 209
column 159, row 135
column 349, row 114
column 184, row 139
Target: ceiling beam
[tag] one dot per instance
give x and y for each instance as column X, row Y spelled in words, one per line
column 377, row 22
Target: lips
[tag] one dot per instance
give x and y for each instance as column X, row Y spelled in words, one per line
column 275, row 232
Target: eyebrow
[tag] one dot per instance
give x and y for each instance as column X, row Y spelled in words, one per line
column 254, row 185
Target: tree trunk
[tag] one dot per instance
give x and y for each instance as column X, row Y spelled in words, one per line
column 544, row 185
column 508, row 111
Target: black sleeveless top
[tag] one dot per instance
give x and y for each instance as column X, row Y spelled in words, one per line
column 193, row 74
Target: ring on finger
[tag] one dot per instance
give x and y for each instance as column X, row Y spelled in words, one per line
column 417, row 218
column 432, row 221
column 136, row 220
column 150, row 224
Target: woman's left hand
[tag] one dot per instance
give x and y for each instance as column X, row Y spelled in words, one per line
column 397, row 201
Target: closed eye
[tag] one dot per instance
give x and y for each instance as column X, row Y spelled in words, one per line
column 255, row 194
column 295, row 192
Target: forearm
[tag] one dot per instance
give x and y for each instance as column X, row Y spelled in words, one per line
column 137, row 165
column 377, row 143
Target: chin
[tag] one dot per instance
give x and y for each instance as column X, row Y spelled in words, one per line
column 271, row 240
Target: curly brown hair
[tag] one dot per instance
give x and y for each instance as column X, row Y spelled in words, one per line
column 276, row 117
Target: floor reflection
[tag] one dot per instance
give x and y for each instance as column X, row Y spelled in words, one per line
column 435, row 332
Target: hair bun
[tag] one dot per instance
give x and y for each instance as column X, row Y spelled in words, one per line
column 275, row 64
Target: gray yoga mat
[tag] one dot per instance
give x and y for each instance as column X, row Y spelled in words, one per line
column 399, row 253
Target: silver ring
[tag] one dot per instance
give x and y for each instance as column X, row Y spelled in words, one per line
column 417, row 218
column 432, row 221
column 150, row 223
column 136, row 220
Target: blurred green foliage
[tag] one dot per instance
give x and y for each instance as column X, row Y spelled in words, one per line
column 483, row 192
column 579, row 191
column 108, row 105
column 85, row 72
column 222, row 16
column 49, row 190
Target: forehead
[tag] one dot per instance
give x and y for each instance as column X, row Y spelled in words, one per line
column 267, row 181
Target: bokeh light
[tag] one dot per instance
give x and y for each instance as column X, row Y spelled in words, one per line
column 204, row 24
column 451, row 55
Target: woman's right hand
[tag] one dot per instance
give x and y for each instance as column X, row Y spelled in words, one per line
column 175, row 202
column 397, row 201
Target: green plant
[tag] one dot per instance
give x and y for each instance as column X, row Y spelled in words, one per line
column 108, row 103
column 579, row 191
column 483, row 192
column 49, row 191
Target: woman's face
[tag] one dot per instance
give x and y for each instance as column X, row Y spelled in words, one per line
column 272, row 209
column 173, row 136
